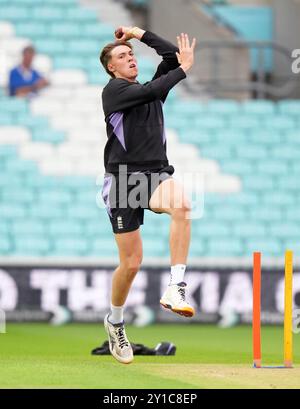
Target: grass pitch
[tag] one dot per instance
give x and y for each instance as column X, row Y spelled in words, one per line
column 42, row 356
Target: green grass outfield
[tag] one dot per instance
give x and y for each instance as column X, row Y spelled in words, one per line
column 42, row 356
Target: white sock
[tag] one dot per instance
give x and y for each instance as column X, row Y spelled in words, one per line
column 177, row 273
column 116, row 315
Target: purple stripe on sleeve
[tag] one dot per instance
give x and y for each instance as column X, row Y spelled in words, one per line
column 116, row 120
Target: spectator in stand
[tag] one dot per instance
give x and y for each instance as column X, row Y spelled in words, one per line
column 24, row 81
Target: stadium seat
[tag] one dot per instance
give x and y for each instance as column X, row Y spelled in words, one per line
column 268, row 246
column 223, row 107
column 32, row 30
column 258, row 107
column 279, row 122
column 290, row 107
column 224, row 247
column 259, row 182
column 13, row 13
column 5, row 245
column 81, row 15
column 13, row 195
column 207, row 229
column 12, row 211
column 27, row 227
column 30, row 245
column 103, row 248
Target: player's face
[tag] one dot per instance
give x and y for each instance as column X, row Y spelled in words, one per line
column 28, row 57
column 123, row 63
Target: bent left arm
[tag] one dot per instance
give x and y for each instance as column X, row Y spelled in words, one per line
column 163, row 48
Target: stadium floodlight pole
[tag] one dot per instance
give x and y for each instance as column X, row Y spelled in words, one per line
column 256, row 335
column 288, row 313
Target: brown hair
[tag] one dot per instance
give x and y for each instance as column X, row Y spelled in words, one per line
column 29, row 48
column 105, row 55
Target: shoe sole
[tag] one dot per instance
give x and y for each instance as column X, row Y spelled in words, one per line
column 119, row 359
column 185, row 312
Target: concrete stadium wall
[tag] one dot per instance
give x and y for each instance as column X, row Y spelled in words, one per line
column 186, row 16
column 287, row 34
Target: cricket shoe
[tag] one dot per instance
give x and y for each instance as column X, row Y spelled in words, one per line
column 119, row 345
column 174, row 299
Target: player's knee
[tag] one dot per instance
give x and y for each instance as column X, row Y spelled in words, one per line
column 132, row 265
column 182, row 213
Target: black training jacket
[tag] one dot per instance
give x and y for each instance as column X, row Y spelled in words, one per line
column 134, row 115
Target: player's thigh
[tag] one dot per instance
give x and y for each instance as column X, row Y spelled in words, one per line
column 130, row 247
column 169, row 195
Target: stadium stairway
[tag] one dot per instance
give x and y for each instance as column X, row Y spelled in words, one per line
column 51, row 152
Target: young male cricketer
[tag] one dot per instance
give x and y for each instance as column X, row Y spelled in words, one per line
column 136, row 138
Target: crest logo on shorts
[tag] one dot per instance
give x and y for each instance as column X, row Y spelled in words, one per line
column 120, row 222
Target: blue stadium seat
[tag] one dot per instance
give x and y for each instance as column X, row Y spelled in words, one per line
column 66, row 30
column 283, row 229
column 100, row 32
column 47, row 13
column 223, row 107
column 205, row 228
column 270, row 137
column 210, row 122
column 14, row 13
column 51, row 46
column 229, row 213
column 31, row 245
column 259, row 182
column 32, row 30
column 198, row 248
column 55, row 196
column 258, row 107
column 238, row 167
column 12, row 194
column 244, row 122
column 221, row 248
column 6, row 119
column 269, row 246
column 104, row 248
column 12, row 211
column 70, row 246
column 273, row 167
column 28, row 227
column 13, row 106
column 45, row 212
column 81, row 15
column 290, row 107
column 4, row 227
column 5, row 245
column 231, row 136
column 21, row 167
column 279, row 123
column 60, row 227
column 249, row 229
column 265, row 214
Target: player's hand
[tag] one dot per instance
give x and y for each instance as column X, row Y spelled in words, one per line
column 185, row 56
column 127, row 33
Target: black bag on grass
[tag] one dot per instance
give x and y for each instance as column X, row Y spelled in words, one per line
column 161, row 349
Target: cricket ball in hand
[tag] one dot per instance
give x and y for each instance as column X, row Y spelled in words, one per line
column 119, row 33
